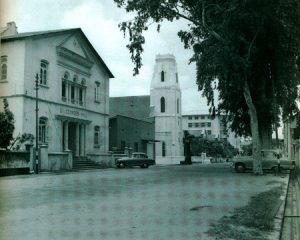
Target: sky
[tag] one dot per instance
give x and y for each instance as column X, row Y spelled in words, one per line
column 99, row 21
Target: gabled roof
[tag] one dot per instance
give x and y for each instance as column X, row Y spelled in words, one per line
column 50, row 33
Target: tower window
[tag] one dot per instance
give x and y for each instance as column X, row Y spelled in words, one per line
column 178, row 105
column 162, row 76
column 176, row 77
column 162, row 105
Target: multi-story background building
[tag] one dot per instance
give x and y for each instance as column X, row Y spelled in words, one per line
column 203, row 125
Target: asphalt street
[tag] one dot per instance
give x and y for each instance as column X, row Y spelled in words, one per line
column 168, row 202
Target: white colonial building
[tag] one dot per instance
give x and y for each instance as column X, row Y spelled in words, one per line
column 73, row 83
column 165, row 106
column 203, row 125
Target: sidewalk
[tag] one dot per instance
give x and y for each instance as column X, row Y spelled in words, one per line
column 291, row 217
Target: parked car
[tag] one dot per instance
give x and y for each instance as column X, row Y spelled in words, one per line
column 270, row 160
column 136, row 159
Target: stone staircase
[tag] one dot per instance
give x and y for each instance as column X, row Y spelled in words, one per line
column 83, row 163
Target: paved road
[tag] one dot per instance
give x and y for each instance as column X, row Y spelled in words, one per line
column 174, row 202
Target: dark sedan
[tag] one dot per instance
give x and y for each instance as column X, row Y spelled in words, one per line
column 136, row 159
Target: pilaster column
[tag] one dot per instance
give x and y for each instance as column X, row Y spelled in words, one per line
column 82, row 140
column 66, row 135
column 77, row 140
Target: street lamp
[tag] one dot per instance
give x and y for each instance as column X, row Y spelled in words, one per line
column 36, row 124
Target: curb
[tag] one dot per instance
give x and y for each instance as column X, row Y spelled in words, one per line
column 278, row 222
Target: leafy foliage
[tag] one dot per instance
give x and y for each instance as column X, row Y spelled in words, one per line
column 21, row 140
column 234, row 41
column 213, row 148
column 6, row 126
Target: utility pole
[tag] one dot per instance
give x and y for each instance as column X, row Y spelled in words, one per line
column 37, row 123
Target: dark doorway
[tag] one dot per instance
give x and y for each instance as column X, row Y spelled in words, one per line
column 72, row 137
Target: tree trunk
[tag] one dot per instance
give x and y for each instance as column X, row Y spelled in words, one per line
column 266, row 137
column 257, row 167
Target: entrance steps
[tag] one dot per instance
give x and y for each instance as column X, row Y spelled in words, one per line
column 83, row 163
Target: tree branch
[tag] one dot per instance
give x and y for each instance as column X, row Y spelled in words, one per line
column 212, row 32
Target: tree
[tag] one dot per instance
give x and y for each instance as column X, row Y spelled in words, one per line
column 250, row 46
column 6, row 126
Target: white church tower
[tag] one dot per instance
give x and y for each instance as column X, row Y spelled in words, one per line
column 165, row 104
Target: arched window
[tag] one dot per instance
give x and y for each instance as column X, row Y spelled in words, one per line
column 3, row 67
column 64, row 86
column 3, row 71
column 66, row 76
column 162, row 76
column 43, row 121
column 97, row 91
column 43, row 72
column 163, row 149
column 96, row 136
column 162, row 105
column 75, row 79
column 72, row 93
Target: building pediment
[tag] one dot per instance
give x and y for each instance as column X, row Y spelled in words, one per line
column 74, row 57
column 73, row 49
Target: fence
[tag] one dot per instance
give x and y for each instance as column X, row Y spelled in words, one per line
column 15, row 162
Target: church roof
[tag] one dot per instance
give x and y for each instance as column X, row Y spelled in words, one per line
column 50, row 33
column 137, row 107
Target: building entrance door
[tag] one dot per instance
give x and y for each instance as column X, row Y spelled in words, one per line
column 72, row 137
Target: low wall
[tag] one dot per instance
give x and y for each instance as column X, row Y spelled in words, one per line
column 14, row 162
column 59, row 161
column 200, row 159
column 104, row 160
column 170, row 160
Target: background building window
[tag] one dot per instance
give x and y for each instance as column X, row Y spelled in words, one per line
column 190, row 125
column 190, row 117
column 163, row 146
column 3, row 67
column 96, row 136
column 43, row 130
column 162, row 105
column 162, row 76
column 97, row 92
column 43, row 72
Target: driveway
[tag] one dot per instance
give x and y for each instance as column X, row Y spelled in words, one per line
column 169, row 202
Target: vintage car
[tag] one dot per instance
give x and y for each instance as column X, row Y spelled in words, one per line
column 136, row 159
column 271, row 159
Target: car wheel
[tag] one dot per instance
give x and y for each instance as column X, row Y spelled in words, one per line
column 240, row 168
column 121, row 165
column 145, row 165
